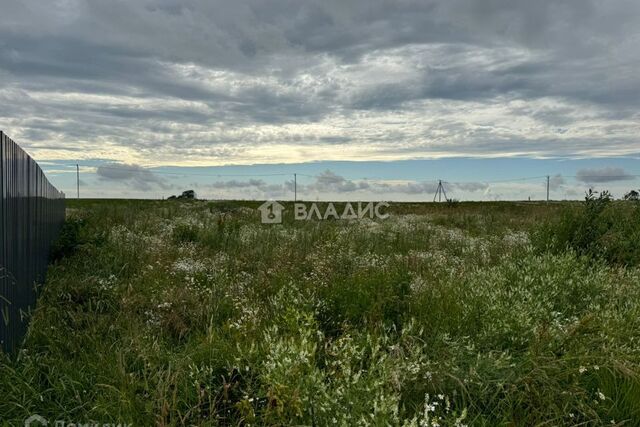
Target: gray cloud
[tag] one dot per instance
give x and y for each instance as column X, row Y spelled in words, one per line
column 249, row 189
column 329, row 185
column 134, row 175
column 556, row 182
column 605, row 174
column 258, row 183
column 471, row 186
column 430, row 187
column 174, row 81
column 328, row 182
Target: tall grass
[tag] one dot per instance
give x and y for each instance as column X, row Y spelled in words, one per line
column 196, row 314
column 600, row 228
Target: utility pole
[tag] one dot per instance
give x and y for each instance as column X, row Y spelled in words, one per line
column 439, row 192
column 547, row 188
column 78, row 179
column 295, row 187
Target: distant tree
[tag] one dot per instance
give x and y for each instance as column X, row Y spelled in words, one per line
column 189, row 194
column 632, row 195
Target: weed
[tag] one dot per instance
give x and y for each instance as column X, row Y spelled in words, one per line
column 194, row 313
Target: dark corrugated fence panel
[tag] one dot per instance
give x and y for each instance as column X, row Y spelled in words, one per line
column 31, row 214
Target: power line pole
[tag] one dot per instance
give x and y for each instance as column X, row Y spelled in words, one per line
column 295, row 187
column 547, row 188
column 439, row 192
column 78, row 179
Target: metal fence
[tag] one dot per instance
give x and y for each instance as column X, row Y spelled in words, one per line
column 31, row 214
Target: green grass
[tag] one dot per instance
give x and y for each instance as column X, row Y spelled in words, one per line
column 194, row 313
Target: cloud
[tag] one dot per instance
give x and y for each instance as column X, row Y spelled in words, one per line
column 556, row 182
column 258, row 183
column 430, row 187
column 605, row 174
column 471, row 186
column 330, row 185
column 138, row 177
column 250, row 189
column 328, row 181
column 213, row 82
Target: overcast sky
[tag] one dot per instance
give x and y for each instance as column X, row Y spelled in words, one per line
column 186, row 83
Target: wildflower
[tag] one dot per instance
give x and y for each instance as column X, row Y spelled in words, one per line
column 601, row 395
column 458, row 421
column 582, row 369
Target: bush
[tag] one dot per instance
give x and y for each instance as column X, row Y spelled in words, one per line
column 599, row 228
column 185, row 233
column 68, row 240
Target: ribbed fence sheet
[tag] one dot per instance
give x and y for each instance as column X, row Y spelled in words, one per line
column 31, row 214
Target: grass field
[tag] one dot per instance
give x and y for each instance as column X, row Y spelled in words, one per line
column 194, row 313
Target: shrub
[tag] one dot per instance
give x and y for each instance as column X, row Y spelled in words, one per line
column 598, row 228
column 68, row 240
column 184, row 233
column 632, row 195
